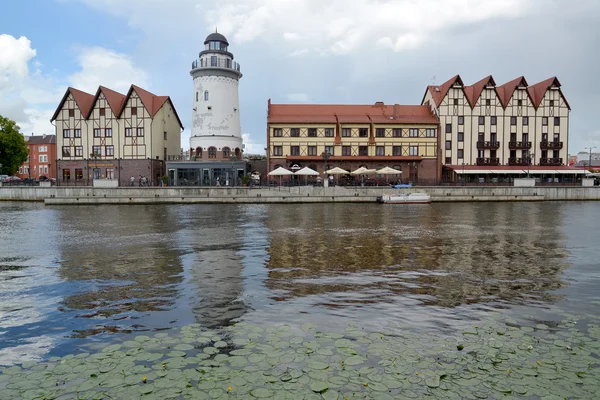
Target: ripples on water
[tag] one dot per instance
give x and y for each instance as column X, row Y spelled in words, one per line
column 70, row 276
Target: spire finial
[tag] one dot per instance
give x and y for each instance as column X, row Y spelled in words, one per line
column 216, row 30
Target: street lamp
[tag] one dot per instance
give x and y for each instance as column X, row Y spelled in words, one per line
column 325, row 156
column 590, row 149
column 463, row 173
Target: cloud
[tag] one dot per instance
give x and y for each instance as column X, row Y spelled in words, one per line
column 297, row 53
column 14, row 56
column 252, row 147
column 100, row 66
column 298, row 97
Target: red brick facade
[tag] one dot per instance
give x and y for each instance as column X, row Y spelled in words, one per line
column 42, row 157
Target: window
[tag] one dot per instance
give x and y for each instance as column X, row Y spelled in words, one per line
column 525, row 121
column 519, row 103
column 551, row 103
column 71, row 112
column 414, row 150
column 430, row 132
column 77, row 133
column 133, row 110
column 461, row 120
column 397, row 132
column 66, row 174
column 461, row 137
column 66, row 133
column 196, row 96
column 110, row 173
column 493, row 120
column 448, row 160
column 556, row 121
column 45, row 169
column 295, row 132
column 545, row 121
column 102, row 112
column 312, row 150
column 346, row 150
column 78, row 151
column 455, row 102
column 363, row 132
column 226, row 152
column 413, row 132
column 108, row 132
column 397, row 150
column 330, row 149
column 212, row 152
column 165, row 135
column 460, row 153
column 96, row 132
column 97, row 151
column 206, row 95
column 140, row 132
column 277, row 132
column 66, row 151
column 513, row 120
column 380, row 151
column 78, row 174
column 379, row 132
column 328, row 132
column 43, row 149
column 128, row 132
column 481, row 120
column 363, row 150
column 294, row 150
column 448, row 128
column 277, row 150
column 43, row 158
column 312, row 132
column 346, row 132
column 109, row 151
column 448, row 145
column 488, row 102
column 213, row 61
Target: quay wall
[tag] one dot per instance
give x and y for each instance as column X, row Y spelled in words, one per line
column 302, row 194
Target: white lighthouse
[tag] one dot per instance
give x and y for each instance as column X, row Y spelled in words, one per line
column 216, row 133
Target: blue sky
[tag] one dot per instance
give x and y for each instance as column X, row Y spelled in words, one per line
column 296, row 51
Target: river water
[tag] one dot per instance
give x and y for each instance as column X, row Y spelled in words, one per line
column 75, row 276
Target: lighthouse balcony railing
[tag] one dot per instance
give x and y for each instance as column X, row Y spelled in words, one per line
column 218, row 63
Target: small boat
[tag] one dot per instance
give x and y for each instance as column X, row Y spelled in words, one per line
column 405, row 198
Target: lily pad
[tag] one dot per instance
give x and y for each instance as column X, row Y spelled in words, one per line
column 318, row 386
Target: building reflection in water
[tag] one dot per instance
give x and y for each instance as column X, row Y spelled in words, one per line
column 444, row 254
column 123, row 264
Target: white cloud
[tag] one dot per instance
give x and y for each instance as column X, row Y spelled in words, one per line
column 100, row 66
column 291, row 36
column 298, row 97
column 297, row 53
column 251, row 147
column 14, row 56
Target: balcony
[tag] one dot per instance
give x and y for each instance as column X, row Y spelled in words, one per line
column 488, row 161
column 551, row 161
column 218, row 63
column 519, row 161
column 488, row 145
column 519, row 145
column 551, row 145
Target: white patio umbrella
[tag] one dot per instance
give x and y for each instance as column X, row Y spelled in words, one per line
column 280, row 172
column 306, row 172
column 337, row 171
column 388, row 171
column 363, row 171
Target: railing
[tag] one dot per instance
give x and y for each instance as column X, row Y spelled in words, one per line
column 488, row 161
column 218, row 63
column 488, row 145
column 177, row 158
column 551, row 161
column 519, row 161
column 519, row 145
column 551, row 145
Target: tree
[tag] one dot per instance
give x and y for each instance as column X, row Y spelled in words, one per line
column 13, row 149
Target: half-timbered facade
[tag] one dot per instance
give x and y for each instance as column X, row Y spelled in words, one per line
column 514, row 124
column 114, row 136
column 350, row 136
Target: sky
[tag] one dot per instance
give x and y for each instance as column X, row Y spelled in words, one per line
column 297, row 51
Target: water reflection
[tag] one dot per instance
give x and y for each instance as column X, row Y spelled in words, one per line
column 442, row 255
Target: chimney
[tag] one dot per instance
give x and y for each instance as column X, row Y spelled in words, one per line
column 396, row 111
column 44, row 136
column 379, row 104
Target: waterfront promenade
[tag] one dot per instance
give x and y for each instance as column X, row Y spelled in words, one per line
column 301, row 194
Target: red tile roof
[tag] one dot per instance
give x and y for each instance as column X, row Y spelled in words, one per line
column 40, row 139
column 329, row 113
column 538, row 91
column 439, row 92
column 474, row 91
column 506, row 91
column 116, row 101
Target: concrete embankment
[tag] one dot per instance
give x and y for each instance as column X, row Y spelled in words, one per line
column 308, row 194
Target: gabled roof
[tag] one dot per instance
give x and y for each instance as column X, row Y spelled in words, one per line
column 474, row 91
column 538, row 91
column 438, row 93
column 346, row 113
column 115, row 100
column 83, row 100
column 506, row 91
column 40, row 139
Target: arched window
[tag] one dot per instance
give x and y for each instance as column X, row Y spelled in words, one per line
column 206, row 95
column 212, row 152
column 198, row 151
column 238, row 154
column 196, row 96
column 226, row 152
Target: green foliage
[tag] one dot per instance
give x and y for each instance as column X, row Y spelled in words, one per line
column 165, row 179
column 13, row 149
column 245, row 179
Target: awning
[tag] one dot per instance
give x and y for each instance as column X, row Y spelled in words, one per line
column 473, row 171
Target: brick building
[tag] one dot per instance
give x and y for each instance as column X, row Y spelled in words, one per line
column 42, row 157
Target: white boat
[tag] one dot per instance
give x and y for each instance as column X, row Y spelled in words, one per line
column 405, row 198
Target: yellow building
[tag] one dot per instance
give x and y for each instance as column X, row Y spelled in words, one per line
column 114, row 136
column 404, row 137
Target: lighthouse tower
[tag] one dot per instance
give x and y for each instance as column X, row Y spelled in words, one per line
column 216, row 133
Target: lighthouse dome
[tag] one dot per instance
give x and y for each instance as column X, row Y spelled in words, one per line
column 216, row 37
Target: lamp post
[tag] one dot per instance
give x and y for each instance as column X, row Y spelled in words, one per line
column 325, row 154
column 463, row 173
column 590, row 149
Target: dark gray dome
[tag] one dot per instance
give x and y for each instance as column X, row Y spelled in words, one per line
column 216, row 37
